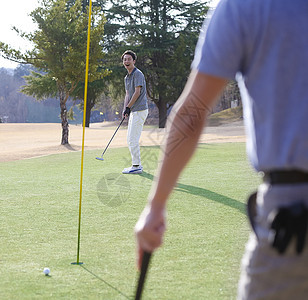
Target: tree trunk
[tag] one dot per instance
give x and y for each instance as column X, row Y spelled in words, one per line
column 90, row 105
column 162, row 113
column 88, row 115
column 64, row 119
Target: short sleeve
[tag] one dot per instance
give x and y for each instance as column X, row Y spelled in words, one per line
column 139, row 79
column 219, row 51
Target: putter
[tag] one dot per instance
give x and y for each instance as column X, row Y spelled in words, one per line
column 101, row 158
column 144, row 267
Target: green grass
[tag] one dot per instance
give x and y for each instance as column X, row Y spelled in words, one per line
column 207, row 226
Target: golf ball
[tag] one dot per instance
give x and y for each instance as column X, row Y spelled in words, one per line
column 46, row 271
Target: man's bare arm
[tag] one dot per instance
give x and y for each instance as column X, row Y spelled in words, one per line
column 135, row 96
column 126, row 100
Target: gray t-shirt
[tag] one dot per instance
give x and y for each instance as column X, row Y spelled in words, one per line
column 133, row 80
column 264, row 43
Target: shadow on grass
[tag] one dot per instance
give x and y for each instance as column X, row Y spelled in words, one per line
column 197, row 191
column 71, row 147
column 105, row 282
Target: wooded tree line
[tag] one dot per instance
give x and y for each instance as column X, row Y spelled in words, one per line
column 16, row 107
column 12, row 104
column 162, row 33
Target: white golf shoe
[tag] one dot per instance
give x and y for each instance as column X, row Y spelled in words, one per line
column 133, row 170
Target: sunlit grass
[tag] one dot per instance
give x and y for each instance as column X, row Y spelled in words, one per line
column 207, row 226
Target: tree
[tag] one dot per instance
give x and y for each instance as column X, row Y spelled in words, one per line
column 164, row 35
column 59, row 52
column 231, row 93
column 95, row 90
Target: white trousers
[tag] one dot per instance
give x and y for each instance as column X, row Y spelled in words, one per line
column 265, row 273
column 135, row 126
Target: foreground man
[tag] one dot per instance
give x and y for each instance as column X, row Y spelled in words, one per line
column 262, row 45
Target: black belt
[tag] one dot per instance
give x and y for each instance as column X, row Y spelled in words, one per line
column 285, row 177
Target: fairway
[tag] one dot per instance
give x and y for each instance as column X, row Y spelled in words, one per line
column 204, row 242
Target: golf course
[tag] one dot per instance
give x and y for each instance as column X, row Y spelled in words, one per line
column 40, row 193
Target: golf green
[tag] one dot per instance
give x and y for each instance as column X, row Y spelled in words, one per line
column 204, row 242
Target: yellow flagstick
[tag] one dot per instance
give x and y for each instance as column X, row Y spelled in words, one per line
column 83, row 127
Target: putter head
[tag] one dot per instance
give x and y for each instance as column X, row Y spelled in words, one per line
column 99, row 158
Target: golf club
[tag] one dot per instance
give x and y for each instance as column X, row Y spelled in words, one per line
column 101, row 158
column 144, row 267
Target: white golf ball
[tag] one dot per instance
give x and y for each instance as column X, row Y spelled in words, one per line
column 46, row 271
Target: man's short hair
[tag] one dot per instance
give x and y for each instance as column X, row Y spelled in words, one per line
column 131, row 53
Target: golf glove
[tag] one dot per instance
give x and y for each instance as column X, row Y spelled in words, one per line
column 286, row 223
column 126, row 111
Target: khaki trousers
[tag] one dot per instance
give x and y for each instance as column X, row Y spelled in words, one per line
column 265, row 274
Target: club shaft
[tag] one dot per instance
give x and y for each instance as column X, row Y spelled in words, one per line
column 113, row 136
column 144, row 267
